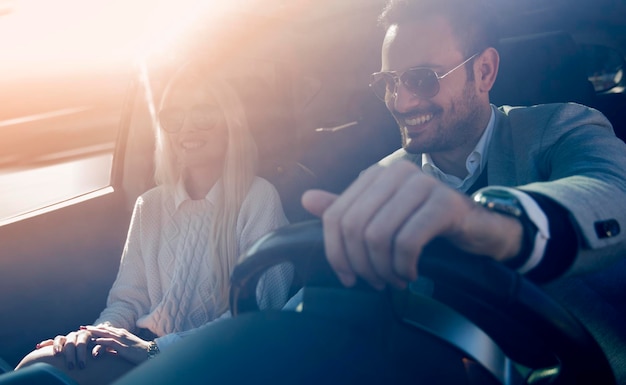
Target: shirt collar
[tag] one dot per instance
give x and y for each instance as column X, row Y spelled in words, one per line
column 475, row 162
column 181, row 195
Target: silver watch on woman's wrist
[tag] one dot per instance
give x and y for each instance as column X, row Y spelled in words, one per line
column 153, row 350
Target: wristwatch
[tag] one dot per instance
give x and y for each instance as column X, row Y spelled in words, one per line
column 506, row 203
column 153, row 350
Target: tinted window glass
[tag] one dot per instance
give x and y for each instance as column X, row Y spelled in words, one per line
column 605, row 66
column 63, row 81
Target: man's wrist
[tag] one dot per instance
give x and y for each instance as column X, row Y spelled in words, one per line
column 504, row 202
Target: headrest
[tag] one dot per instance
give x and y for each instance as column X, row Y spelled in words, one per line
column 543, row 68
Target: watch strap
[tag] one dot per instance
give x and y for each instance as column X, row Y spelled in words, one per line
column 507, row 203
column 153, row 350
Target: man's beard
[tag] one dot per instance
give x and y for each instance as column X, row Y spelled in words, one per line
column 456, row 127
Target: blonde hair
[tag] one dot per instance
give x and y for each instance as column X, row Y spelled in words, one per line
column 239, row 170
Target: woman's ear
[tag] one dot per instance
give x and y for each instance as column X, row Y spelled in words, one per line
column 486, row 69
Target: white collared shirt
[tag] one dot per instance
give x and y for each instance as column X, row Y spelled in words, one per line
column 181, row 195
column 475, row 163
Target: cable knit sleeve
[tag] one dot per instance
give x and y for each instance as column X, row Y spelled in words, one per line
column 167, row 340
column 262, row 214
column 128, row 297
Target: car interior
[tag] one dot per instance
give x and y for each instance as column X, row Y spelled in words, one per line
column 58, row 261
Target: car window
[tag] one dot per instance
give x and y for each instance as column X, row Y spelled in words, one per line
column 62, row 90
column 65, row 71
column 605, row 66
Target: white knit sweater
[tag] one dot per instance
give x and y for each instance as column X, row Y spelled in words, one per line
column 165, row 282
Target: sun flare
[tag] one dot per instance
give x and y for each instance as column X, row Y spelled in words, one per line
column 64, row 35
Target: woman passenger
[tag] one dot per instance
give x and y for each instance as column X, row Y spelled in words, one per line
column 185, row 236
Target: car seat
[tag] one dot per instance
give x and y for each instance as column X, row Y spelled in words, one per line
column 271, row 118
column 548, row 68
column 541, row 68
column 4, row 366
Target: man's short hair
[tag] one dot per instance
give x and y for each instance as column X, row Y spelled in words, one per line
column 472, row 21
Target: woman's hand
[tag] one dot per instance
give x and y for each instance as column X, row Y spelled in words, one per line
column 118, row 341
column 72, row 346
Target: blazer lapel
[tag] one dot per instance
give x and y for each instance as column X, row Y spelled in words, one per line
column 500, row 159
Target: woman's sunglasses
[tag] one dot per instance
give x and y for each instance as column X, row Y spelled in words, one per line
column 203, row 117
column 421, row 82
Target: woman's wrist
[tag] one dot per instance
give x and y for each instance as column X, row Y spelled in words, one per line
column 153, row 349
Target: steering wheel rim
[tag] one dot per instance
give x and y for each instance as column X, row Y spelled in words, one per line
column 539, row 332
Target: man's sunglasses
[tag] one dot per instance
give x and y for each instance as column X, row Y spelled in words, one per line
column 421, row 82
column 203, row 117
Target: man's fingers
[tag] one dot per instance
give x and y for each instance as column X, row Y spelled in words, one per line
column 368, row 202
column 317, row 201
column 382, row 230
column 355, row 247
column 436, row 217
column 336, row 229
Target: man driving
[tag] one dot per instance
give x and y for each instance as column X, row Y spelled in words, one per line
column 549, row 168
column 538, row 188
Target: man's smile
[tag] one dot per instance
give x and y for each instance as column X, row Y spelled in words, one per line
column 419, row 119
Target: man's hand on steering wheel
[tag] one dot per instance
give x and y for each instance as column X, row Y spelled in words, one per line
column 379, row 226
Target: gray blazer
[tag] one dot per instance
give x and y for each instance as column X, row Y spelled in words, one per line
column 567, row 152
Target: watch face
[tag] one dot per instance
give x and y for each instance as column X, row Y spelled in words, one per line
column 153, row 350
column 500, row 201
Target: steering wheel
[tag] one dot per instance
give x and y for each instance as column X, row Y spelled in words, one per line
column 488, row 313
